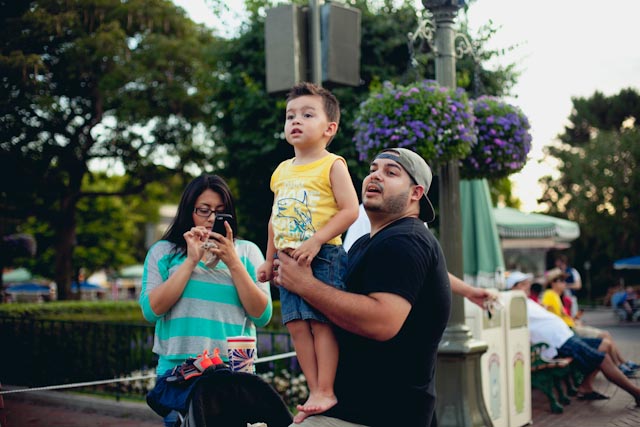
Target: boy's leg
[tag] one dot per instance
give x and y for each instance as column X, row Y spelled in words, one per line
column 323, row 397
column 328, row 266
column 326, row 355
column 303, row 342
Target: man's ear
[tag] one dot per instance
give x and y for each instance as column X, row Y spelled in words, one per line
column 417, row 192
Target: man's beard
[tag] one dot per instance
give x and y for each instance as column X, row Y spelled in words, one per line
column 391, row 205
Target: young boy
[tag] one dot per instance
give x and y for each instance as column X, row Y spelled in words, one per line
column 314, row 203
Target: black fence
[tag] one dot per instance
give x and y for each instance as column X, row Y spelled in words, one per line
column 38, row 353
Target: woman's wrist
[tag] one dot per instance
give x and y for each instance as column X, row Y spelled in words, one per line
column 190, row 263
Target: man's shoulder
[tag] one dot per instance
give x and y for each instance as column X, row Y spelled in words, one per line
column 403, row 228
column 406, row 235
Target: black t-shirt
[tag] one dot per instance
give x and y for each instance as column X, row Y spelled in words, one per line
column 392, row 383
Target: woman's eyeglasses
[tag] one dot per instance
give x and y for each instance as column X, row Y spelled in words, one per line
column 204, row 212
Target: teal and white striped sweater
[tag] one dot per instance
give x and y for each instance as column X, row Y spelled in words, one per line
column 209, row 309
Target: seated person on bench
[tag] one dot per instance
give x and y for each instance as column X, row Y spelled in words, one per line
column 589, row 354
column 551, row 300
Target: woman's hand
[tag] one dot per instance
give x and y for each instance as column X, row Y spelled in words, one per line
column 195, row 238
column 224, row 247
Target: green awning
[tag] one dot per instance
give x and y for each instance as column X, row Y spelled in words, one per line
column 513, row 224
column 482, row 254
column 16, row 276
column 131, row 272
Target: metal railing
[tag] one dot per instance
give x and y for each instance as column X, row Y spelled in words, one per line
column 36, row 352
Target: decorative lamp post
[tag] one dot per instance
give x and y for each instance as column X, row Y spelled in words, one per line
column 460, row 401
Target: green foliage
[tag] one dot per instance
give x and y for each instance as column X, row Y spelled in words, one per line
column 251, row 120
column 598, row 185
column 99, row 311
column 137, row 86
column 110, row 230
column 127, row 84
column 602, row 113
column 501, row 191
column 90, row 311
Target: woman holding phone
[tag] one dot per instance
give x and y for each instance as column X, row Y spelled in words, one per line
column 200, row 286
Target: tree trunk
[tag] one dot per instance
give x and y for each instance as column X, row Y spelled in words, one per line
column 65, row 243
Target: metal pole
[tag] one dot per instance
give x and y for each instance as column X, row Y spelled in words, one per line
column 315, row 45
column 460, row 402
column 587, row 267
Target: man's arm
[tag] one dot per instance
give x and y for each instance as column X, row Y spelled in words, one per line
column 378, row 316
column 473, row 294
column 577, row 280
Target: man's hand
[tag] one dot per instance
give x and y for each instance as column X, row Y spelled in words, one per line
column 480, row 296
column 291, row 274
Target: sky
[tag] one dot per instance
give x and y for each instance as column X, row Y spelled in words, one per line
column 566, row 48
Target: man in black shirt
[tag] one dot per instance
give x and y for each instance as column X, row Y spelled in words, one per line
column 391, row 320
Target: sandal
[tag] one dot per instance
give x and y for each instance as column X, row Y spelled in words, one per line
column 592, row 395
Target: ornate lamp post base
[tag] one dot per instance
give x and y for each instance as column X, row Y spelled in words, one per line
column 460, row 400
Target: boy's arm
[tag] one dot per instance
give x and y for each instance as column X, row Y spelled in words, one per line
column 271, row 246
column 265, row 271
column 347, row 201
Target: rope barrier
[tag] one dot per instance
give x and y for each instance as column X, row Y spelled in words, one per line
column 119, row 380
column 85, row 384
column 275, row 357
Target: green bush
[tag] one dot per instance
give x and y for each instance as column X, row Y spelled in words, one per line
column 98, row 311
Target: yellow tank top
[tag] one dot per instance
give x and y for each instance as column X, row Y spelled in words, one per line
column 303, row 201
column 552, row 302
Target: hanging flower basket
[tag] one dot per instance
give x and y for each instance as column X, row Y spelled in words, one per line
column 503, row 143
column 434, row 121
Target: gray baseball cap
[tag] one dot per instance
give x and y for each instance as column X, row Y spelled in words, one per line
column 418, row 170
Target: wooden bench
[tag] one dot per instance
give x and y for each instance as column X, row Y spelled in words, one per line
column 547, row 375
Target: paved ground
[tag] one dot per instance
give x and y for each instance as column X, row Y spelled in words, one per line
column 620, row 409
column 52, row 408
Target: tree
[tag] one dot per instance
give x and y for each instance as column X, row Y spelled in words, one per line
column 97, row 82
column 110, row 231
column 598, row 185
column 250, row 122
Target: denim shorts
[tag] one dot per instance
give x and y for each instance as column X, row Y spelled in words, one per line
column 328, row 266
column 584, row 352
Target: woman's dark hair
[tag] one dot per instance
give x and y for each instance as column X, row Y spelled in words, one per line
column 183, row 220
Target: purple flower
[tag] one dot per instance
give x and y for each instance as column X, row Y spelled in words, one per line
column 503, row 140
column 434, row 121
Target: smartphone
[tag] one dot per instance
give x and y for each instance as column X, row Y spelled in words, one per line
column 218, row 224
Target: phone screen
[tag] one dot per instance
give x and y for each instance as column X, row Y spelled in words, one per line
column 218, row 224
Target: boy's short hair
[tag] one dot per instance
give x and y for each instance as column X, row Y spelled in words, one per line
column 330, row 102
